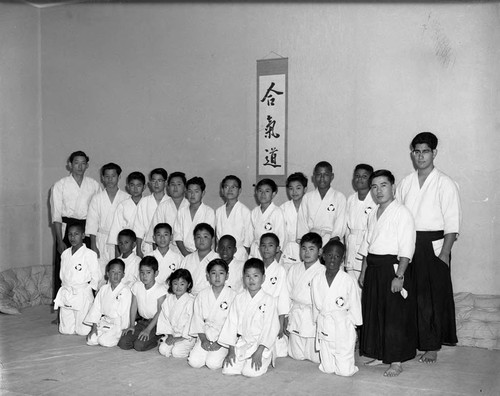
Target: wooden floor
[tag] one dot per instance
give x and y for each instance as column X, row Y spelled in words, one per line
column 36, row 360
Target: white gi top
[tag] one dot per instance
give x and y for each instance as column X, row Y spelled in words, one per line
column 435, row 206
column 326, row 216
column 210, row 313
column 275, row 285
column 68, row 199
column 80, row 268
column 198, row 269
column 165, row 213
column 145, row 211
column 102, row 211
column 184, row 225
column 235, row 275
column 393, row 233
column 147, row 300
column 123, row 219
column 131, row 268
column 114, row 304
column 166, row 264
column 176, row 315
column 238, row 224
column 272, row 220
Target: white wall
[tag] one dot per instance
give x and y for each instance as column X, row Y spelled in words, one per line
column 20, row 148
column 173, row 85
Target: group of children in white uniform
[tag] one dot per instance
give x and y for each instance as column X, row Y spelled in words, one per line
column 168, row 287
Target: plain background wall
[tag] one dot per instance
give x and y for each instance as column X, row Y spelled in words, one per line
column 20, row 137
column 173, row 85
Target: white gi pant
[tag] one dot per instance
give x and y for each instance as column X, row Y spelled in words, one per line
column 180, row 349
column 302, row 348
column 243, row 362
column 73, row 304
column 212, row 359
column 108, row 333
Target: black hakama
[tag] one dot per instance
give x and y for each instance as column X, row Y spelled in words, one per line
column 435, row 305
column 389, row 329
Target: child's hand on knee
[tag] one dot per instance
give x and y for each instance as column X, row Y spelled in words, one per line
column 127, row 330
column 257, row 360
column 143, row 335
column 230, row 357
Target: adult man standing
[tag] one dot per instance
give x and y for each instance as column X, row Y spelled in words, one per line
column 433, row 199
column 69, row 202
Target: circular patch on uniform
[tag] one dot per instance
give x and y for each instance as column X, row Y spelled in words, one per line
column 172, row 266
column 273, row 280
column 340, row 302
column 78, row 267
column 262, row 308
column 268, row 226
column 330, row 208
column 368, row 210
column 224, row 305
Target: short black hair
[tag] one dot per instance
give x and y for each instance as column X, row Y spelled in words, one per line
column 149, row 261
column 159, row 226
column 111, row 166
column 231, row 177
column 297, row 176
column 229, row 237
column 256, row 263
column 204, row 227
column 80, row 226
column 158, row 171
column 334, row 243
column 382, row 173
column 215, row 262
column 313, row 238
column 136, row 176
column 128, row 233
column 425, row 138
column 365, row 167
column 198, row 181
column 75, row 154
column 267, row 182
column 180, row 273
column 115, row 261
column 180, row 175
column 323, row 164
column 271, row 235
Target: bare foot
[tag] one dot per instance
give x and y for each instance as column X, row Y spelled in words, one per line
column 428, row 357
column 394, row 370
column 374, row 362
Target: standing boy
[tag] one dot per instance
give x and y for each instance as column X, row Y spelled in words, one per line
column 126, row 210
column 126, row 245
column 233, row 218
column 432, row 197
column 188, row 217
column 359, row 206
column 79, row 275
column 147, row 207
column 226, row 249
column 389, row 331
column 101, row 212
column 147, row 298
column 252, row 326
column 301, row 329
column 322, row 210
column 69, row 202
column 168, row 261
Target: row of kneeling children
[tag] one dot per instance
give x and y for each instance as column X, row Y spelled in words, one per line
column 211, row 308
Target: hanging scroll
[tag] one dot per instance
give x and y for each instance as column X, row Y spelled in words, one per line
column 272, row 119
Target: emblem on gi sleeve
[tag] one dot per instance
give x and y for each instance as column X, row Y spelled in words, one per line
column 262, row 308
column 273, row 280
column 340, row 302
column 78, row 267
column 330, row 208
column 268, row 226
column 224, row 305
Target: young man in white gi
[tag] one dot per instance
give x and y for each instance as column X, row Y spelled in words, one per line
column 101, row 213
column 69, row 202
column 433, row 199
column 389, row 330
column 323, row 209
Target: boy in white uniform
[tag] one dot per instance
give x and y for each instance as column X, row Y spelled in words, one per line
column 322, row 210
column 275, row 284
column 337, row 311
column 127, row 210
column 433, row 199
column 267, row 217
column 389, row 332
column 110, row 312
column 69, row 203
column 147, row 298
column 188, row 217
column 233, row 218
column 301, row 328
column 359, row 206
column 226, row 249
column 211, row 308
column 147, row 207
column 167, row 211
column 101, row 213
column 126, row 244
column 296, row 185
column 79, row 275
column 168, row 261
column 196, row 262
column 252, row 326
